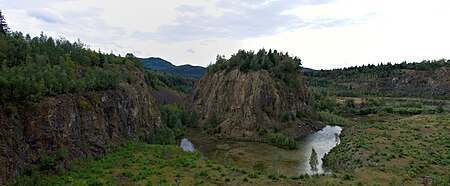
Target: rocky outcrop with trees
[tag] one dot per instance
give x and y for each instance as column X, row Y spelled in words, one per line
column 254, row 96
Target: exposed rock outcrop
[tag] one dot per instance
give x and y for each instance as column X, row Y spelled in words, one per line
column 405, row 82
column 73, row 125
column 247, row 103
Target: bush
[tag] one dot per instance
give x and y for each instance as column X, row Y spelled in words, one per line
column 162, row 136
column 283, row 141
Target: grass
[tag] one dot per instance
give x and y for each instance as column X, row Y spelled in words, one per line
column 401, row 150
column 136, row 163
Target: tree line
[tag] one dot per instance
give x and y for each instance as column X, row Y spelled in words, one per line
column 381, row 70
column 32, row 68
column 279, row 64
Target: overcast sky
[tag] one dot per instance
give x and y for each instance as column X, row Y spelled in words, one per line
column 323, row 33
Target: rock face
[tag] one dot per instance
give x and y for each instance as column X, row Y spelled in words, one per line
column 72, row 125
column 433, row 83
column 407, row 82
column 247, row 103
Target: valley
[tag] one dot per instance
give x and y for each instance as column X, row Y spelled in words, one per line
column 70, row 115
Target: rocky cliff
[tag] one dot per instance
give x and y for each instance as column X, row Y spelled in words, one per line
column 434, row 82
column 423, row 79
column 47, row 134
column 248, row 105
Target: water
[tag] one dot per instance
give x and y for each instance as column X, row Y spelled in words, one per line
column 187, row 145
column 245, row 154
column 322, row 141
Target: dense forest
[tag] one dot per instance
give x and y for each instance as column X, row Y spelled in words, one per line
column 31, row 68
column 179, row 83
column 35, row 67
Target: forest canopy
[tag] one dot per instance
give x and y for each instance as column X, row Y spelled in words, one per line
column 249, row 60
column 32, row 68
column 279, row 64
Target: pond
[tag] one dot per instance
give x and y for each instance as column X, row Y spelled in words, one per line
column 246, row 154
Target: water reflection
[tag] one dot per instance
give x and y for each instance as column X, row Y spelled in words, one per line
column 245, row 154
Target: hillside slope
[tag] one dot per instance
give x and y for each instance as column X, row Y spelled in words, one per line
column 425, row 79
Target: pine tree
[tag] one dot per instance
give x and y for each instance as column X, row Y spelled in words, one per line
column 313, row 161
column 4, row 29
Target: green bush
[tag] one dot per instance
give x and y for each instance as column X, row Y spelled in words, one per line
column 279, row 64
column 163, row 136
column 283, row 141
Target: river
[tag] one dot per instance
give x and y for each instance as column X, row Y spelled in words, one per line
column 245, row 154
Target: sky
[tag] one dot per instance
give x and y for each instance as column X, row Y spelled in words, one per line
column 325, row 34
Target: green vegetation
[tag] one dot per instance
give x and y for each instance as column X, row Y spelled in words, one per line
column 381, row 80
column 401, row 150
column 386, row 140
column 4, row 29
column 373, row 72
column 32, row 68
column 280, row 65
column 142, row 164
column 179, row 83
column 211, row 123
column 313, row 161
column 282, row 140
column 175, row 120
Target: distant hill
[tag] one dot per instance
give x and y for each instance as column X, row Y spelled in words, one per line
column 162, row 65
column 165, row 66
column 307, row 69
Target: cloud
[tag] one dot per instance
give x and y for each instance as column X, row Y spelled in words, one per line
column 190, row 8
column 240, row 20
column 328, row 23
column 88, row 13
column 21, row 4
column 45, row 15
column 190, row 50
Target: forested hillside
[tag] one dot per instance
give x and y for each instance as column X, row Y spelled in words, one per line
column 61, row 100
column 424, row 79
column 32, row 68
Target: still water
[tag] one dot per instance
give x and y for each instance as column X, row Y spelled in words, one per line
column 245, row 154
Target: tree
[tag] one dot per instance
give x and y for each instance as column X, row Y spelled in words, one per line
column 313, row 161
column 4, row 29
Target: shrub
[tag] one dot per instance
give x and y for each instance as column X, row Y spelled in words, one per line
column 283, row 141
